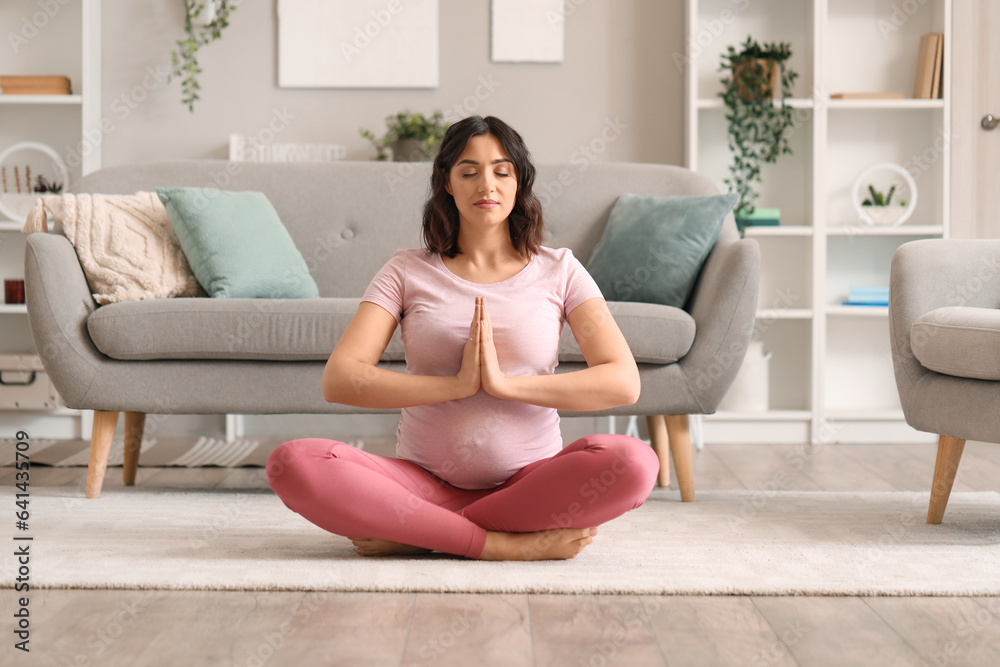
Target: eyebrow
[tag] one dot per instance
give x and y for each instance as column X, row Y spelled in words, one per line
column 503, row 159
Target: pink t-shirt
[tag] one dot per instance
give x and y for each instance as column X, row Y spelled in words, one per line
column 480, row 441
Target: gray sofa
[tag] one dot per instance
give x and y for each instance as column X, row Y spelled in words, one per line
column 944, row 328
column 263, row 356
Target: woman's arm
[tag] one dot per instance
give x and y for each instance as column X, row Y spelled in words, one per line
column 610, row 379
column 352, row 376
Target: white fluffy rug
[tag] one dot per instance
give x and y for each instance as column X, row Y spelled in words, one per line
column 728, row 542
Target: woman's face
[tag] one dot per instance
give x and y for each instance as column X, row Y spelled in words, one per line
column 483, row 183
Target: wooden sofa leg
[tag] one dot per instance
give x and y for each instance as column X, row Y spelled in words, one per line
column 100, row 448
column 679, row 434
column 661, row 445
column 948, row 457
column 135, row 422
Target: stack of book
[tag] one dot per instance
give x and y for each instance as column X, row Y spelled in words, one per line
column 929, row 66
column 35, row 85
column 868, row 296
column 761, row 217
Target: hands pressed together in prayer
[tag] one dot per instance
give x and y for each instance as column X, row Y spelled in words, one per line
column 480, row 366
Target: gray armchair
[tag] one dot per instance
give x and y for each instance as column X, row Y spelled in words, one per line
column 944, row 326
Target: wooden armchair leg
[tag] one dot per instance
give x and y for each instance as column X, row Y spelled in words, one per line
column 948, row 457
column 100, row 448
column 661, row 445
column 679, row 435
column 135, row 422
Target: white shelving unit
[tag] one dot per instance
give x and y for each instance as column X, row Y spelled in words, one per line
column 831, row 376
column 68, row 42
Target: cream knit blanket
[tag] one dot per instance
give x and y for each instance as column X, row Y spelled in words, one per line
column 126, row 244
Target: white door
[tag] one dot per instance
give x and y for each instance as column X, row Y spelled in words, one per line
column 975, row 155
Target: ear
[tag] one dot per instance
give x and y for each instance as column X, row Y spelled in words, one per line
column 447, row 184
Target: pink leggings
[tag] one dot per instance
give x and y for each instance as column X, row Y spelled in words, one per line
column 352, row 493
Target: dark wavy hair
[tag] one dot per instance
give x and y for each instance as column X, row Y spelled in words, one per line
column 440, row 225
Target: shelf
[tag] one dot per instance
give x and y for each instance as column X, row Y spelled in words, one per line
column 865, row 414
column 41, row 99
column 830, row 362
column 857, row 311
column 13, row 309
column 806, row 103
column 794, row 102
column 902, row 230
column 779, row 230
column 770, row 415
column 784, row 313
column 886, row 104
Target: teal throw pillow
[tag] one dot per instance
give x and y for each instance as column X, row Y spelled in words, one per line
column 653, row 247
column 237, row 245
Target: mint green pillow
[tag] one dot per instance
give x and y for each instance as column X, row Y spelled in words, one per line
column 653, row 247
column 237, row 245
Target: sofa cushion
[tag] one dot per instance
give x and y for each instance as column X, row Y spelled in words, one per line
column 652, row 248
column 237, row 245
column 308, row 329
column 959, row 341
column 265, row 329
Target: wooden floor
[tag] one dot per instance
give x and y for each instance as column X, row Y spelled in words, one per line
column 135, row 628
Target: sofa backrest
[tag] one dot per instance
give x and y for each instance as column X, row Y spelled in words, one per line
column 347, row 218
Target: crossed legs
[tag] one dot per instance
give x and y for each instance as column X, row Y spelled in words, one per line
column 545, row 508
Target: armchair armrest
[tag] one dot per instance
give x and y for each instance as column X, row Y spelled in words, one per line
column 930, row 274
column 724, row 307
column 59, row 301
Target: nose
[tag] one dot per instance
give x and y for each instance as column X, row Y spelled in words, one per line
column 487, row 184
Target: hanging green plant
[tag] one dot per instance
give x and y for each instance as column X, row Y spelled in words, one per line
column 754, row 92
column 203, row 23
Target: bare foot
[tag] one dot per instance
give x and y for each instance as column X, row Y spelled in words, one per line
column 556, row 544
column 372, row 546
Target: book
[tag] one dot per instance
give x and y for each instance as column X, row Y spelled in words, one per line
column 34, row 90
column 868, row 296
column 938, row 60
column 18, row 80
column 35, row 85
column 925, row 66
column 868, row 96
column 761, row 217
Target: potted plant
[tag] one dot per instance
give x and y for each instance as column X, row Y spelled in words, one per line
column 754, row 90
column 412, row 137
column 873, row 191
column 203, row 23
column 881, row 211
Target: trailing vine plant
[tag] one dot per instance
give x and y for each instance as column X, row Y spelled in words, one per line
column 199, row 33
column 758, row 123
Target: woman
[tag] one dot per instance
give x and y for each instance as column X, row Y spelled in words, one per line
column 481, row 471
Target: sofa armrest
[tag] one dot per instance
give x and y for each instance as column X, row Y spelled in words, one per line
column 930, row 274
column 724, row 307
column 59, row 302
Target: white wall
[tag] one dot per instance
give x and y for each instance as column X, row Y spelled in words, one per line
column 618, row 65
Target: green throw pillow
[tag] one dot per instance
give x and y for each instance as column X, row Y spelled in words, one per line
column 236, row 244
column 653, row 247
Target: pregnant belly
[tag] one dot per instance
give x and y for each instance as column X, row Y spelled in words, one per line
column 477, row 442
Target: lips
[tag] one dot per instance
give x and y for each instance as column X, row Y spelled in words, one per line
column 486, row 204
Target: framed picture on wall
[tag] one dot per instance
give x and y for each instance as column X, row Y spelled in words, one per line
column 358, row 43
column 527, row 31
